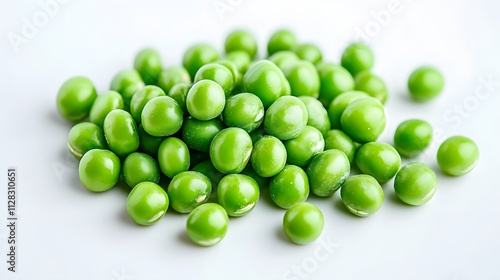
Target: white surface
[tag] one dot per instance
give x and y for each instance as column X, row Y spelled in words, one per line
column 66, row 232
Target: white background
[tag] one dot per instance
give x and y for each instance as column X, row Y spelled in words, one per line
column 67, row 232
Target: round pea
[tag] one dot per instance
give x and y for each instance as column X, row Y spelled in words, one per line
column 187, row 190
column 340, row 103
column 75, row 98
column 415, row 184
column 241, row 40
column 207, row 224
column 244, row 110
column 147, row 203
column 234, row 71
column 148, row 144
column 286, row 118
column 127, row 82
column 230, row 150
column 218, row 73
column 267, row 81
column 148, row 63
column 337, row 139
column 357, row 57
column 373, row 85
column 205, row 100
column 138, row 168
column 425, row 83
column 238, row 194
column 199, row 134
column 99, row 170
column 303, row 78
column 309, row 52
column 141, row 98
column 303, row 223
column 364, row 120
column 162, row 116
column 303, row 148
column 179, row 93
column 412, row 137
column 281, row 40
column 241, row 59
column 283, row 59
column 327, row 171
column 173, row 157
column 362, row 195
column 457, row 155
column 268, row 156
column 334, row 80
column 207, row 168
column 380, row 160
column 121, row 133
column 84, row 137
column 172, row 76
column 197, row 56
column 103, row 104
column 289, row 187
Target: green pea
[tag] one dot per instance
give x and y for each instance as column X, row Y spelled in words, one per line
column 364, row 120
column 263, row 182
column 234, row 71
column 334, row 80
column 412, row 137
column 179, row 93
column 286, row 118
column 138, row 168
column 327, row 171
column 205, row 100
column 241, row 40
column 303, row 78
column 84, row 137
column 340, row 103
column 337, row 139
column 303, row 148
column 197, row 56
column 148, row 63
column 188, row 190
column 268, row 156
column 148, row 144
column 283, row 59
column 207, row 224
column 238, row 194
column 103, row 104
column 267, row 81
column 99, row 170
column 258, row 133
column 121, row 134
column 244, row 110
column 199, row 134
column 241, row 59
column 425, row 83
column 75, row 98
column 380, row 160
column 161, row 116
column 127, row 82
column 218, row 73
column 362, row 195
column 373, row 85
column 147, row 203
column 207, row 168
column 415, row 184
column 289, row 187
column 317, row 114
column 309, row 52
column 281, row 40
column 457, row 155
column 172, row 76
column 230, row 150
column 141, row 98
column 173, row 157
column 358, row 57
column 303, row 223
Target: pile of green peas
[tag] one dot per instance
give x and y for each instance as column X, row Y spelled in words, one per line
column 207, row 136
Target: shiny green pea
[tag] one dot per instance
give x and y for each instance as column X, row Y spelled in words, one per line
column 148, row 63
column 234, row 71
column 103, row 104
column 199, row 134
column 238, row 194
column 75, row 97
column 373, row 85
column 84, row 137
column 425, row 83
column 207, row 168
column 188, row 190
column 179, row 93
column 121, row 133
column 358, row 57
column 340, row 103
column 303, row 78
column 148, row 144
column 327, row 171
column 172, row 76
column 268, row 156
column 334, row 80
column 230, row 150
column 161, row 116
column 303, row 148
column 141, row 98
column 362, row 195
column 303, row 223
column 337, row 139
column 197, row 56
column 457, row 155
column 286, row 118
column 283, row 59
column 205, row 100
column 380, row 160
column 281, row 40
column 99, row 170
column 364, row 120
column 138, row 168
column 241, row 40
column 147, row 203
column 415, row 184
column 263, row 182
column 241, row 59
column 309, row 52
column 412, row 137
column 173, row 157
column 207, row 224
column 127, row 82
column 317, row 116
column 289, row 187
column 218, row 73
column 244, row 110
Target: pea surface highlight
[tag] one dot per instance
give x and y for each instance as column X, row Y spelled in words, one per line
column 238, row 194
column 303, row 223
column 457, row 155
column 415, row 184
column 207, row 224
column 362, row 195
column 99, row 170
column 75, row 97
column 147, row 203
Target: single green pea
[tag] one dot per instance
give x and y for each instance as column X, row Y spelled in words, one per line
column 238, row 194
column 199, row 134
column 289, row 187
column 234, row 71
column 303, row 78
column 309, row 52
column 334, row 80
column 268, row 156
column 425, row 83
column 283, row 59
column 412, row 137
column 147, row 203
column 84, row 137
column 147, row 143
column 75, row 98
column 337, row 139
column 241, row 59
column 205, row 100
column 357, row 57
column 188, row 190
column 362, row 195
column 373, row 85
column 230, row 150
column 218, row 73
column 286, row 118
column 103, row 104
column 138, row 168
column 127, row 83
column 380, row 160
column 241, row 40
column 303, row 223
column 179, row 93
column 148, row 63
column 263, row 182
column 364, row 120
column 301, row 149
column 207, row 168
column 327, row 171
column 457, row 155
column 172, row 76
column 267, row 81
column 207, row 224
column 121, row 133
column 281, row 40
column 415, row 184
column 317, row 114
column 162, row 116
column 244, row 110
column 197, row 56
column 141, row 98
column 99, row 170
column 340, row 103
column 173, row 157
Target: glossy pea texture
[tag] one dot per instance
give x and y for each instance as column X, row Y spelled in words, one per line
column 121, row 133
column 301, row 149
column 103, row 104
column 84, row 137
column 303, row 78
column 141, row 98
column 364, row 120
column 197, row 56
column 286, row 118
column 179, row 93
column 234, row 71
column 218, row 73
column 362, row 195
column 199, row 134
column 188, row 190
column 172, row 76
column 75, row 98
column 337, row 139
column 99, row 170
column 425, row 83
column 334, row 80
column 415, row 184
column 241, row 59
column 241, row 40
column 205, row 100
column 230, row 150
column 207, row 168
column 412, row 137
column 303, row 223
column 147, row 143
column 357, row 57
column 269, row 156
column 309, row 52
column 173, row 157
column 148, row 63
column 138, row 168
column 289, row 187
column 340, row 103
column 147, row 203
column 317, row 116
column 207, row 224
column 283, row 59
column 238, row 194
column 457, row 155
column 373, row 85
column 127, row 82
column 244, row 110
column 281, row 40
column 327, row 171
column 162, row 116
column 380, row 160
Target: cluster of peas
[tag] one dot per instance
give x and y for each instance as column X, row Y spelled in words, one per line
column 291, row 122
